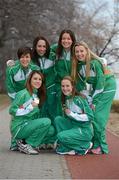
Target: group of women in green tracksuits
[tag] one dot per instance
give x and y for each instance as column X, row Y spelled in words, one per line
column 79, row 89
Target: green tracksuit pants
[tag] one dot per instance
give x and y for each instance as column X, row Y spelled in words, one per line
column 49, row 107
column 34, row 132
column 73, row 135
column 101, row 115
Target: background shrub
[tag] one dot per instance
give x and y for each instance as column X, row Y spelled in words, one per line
column 115, row 106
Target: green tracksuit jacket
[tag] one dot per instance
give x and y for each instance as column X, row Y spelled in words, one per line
column 75, row 130
column 47, row 68
column 26, row 122
column 62, row 68
column 16, row 77
column 102, row 89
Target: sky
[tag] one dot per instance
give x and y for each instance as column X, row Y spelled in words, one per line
column 108, row 13
column 107, row 9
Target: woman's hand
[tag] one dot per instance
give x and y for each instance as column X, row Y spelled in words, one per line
column 35, row 102
column 92, row 106
column 67, row 111
column 10, row 63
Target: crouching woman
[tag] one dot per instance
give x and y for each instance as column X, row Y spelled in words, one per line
column 27, row 127
column 74, row 129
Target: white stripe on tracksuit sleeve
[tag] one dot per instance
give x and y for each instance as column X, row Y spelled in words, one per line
column 24, row 111
column 78, row 117
column 97, row 92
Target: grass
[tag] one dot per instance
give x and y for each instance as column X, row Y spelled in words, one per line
column 115, row 106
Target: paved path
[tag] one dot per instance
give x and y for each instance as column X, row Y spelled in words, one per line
column 96, row 166
column 15, row 165
column 48, row 165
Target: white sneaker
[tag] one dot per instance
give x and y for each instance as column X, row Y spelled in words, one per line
column 91, row 144
column 26, row 148
column 72, row 152
column 15, row 148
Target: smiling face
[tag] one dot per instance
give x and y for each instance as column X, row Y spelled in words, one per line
column 36, row 81
column 80, row 53
column 41, row 47
column 66, row 41
column 66, row 87
column 25, row 60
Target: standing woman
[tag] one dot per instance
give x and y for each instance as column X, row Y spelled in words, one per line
column 27, row 127
column 63, row 53
column 41, row 56
column 74, row 128
column 99, row 82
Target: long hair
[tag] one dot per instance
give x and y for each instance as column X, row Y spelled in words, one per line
column 59, row 50
column 35, row 55
column 41, row 91
column 74, row 91
column 90, row 56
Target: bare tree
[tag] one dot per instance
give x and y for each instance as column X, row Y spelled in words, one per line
column 100, row 28
column 21, row 21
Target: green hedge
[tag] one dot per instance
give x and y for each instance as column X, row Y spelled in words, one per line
column 115, row 106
